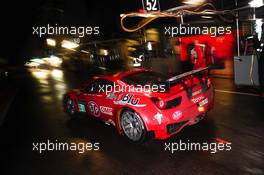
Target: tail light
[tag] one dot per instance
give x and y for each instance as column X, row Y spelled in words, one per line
column 161, row 104
column 201, row 109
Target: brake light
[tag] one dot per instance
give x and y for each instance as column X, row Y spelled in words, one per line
column 201, row 109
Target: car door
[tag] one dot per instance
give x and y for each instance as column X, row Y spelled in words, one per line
column 105, row 104
column 95, row 100
column 87, row 100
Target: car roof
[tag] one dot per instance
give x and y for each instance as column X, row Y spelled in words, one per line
column 119, row 75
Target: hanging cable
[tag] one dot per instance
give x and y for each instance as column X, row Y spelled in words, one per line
column 173, row 13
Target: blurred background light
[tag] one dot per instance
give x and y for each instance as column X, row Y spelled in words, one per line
column 256, row 3
column 51, row 42
column 69, row 45
column 194, row 2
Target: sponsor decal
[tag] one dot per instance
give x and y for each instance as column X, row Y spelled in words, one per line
column 93, row 109
column 128, row 99
column 204, row 102
column 177, row 115
column 111, row 96
column 196, row 100
column 158, row 117
column 81, row 107
column 197, row 92
column 106, row 110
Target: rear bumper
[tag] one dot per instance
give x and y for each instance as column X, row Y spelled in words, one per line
column 175, row 119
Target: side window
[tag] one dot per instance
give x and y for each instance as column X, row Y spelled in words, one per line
column 91, row 88
column 99, row 86
column 109, row 85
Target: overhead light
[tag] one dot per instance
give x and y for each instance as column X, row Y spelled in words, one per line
column 54, row 60
column 42, row 74
column 37, row 60
column 256, row 3
column 51, row 42
column 69, row 45
column 32, row 64
column 194, row 2
column 207, row 17
column 103, row 52
column 84, row 51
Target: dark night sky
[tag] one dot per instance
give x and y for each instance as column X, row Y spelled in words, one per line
column 18, row 17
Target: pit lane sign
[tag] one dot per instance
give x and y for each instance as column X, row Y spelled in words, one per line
column 151, row 5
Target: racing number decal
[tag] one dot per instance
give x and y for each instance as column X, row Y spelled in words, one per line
column 94, row 109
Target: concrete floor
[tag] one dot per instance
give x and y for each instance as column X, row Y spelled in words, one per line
column 36, row 115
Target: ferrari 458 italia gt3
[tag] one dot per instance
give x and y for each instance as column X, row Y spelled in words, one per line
column 143, row 103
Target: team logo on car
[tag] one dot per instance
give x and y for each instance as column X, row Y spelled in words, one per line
column 197, row 92
column 106, row 110
column 129, row 100
column 177, row 115
column 111, row 96
column 94, row 109
column 198, row 99
column 158, row 117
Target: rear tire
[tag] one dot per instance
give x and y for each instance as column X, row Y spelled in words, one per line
column 132, row 126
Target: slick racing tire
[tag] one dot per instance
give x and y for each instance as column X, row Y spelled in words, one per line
column 70, row 107
column 132, row 126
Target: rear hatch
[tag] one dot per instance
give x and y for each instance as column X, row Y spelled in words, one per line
column 187, row 85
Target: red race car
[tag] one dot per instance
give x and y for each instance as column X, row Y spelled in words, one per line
column 143, row 103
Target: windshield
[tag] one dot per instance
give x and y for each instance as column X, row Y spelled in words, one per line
column 144, row 78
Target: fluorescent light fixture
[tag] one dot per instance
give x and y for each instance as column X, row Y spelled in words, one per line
column 256, row 3
column 194, row 2
column 207, row 17
column 84, row 51
column 51, row 42
column 37, row 60
column 69, row 45
column 32, row 64
column 103, row 52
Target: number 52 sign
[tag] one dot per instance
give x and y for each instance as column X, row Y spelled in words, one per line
column 151, row 5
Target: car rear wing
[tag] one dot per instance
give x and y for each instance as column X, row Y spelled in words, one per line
column 186, row 74
column 199, row 73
